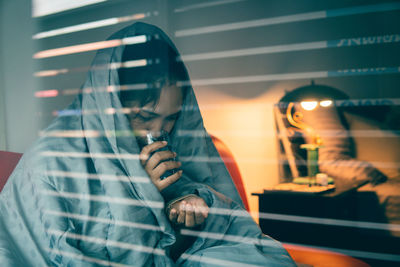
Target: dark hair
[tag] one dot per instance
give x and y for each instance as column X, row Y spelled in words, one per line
column 144, row 84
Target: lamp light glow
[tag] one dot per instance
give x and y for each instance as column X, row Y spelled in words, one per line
column 309, row 105
column 325, row 103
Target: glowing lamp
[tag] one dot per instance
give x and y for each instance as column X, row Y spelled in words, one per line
column 325, row 103
column 309, row 105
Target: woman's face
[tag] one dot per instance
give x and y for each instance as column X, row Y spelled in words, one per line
column 156, row 118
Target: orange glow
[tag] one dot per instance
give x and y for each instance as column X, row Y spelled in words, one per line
column 89, row 47
column 46, row 73
column 309, row 105
column 47, row 93
column 133, row 17
column 77, row 48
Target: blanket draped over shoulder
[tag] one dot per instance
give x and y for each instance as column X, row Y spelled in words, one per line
column 80, row 197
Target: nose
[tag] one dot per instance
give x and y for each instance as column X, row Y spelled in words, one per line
column 156, row 127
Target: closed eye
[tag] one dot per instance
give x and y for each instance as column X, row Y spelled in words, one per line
column 173, row 116
column 145, row 117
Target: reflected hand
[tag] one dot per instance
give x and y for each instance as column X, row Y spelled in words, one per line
column 155, row 164
column 190, row 211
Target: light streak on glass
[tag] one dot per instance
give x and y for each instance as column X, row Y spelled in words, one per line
column 368, row 102
column 239, row 133
column 214, row 261
column 95, row 176
column 104, row 220
column 115, row 65
column 255, row 51
column 249, row 160
column 67, row 112
column 304, row 219
column 136, row 157
column 89, row 155
column 127, row 87
column 325, row 221
column 89, row 47
column 129, row 64
column 290, row 18
column 256, row 241
column 85, row 258
column 354, row 253
column 77, row 49
column 231, row 238
column 76, row 28
column 45, row 7
column 106, row 199
column 107, row 242
column 71, row 91
column 89, row 26
column 346, row 42
column 137, row 86
column 71, row 133
column 203, row 5
column 292, row 76
column 259, row 78
column 269, row 133
column 234, row 212
column 110, row 111
column 134, row 40
column 46, row 93
column 74, row 112
column 251, row 24
column 47, row 73
column 303, row 247
column 349, row 102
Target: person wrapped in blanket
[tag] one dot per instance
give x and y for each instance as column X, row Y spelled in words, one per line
column 92, row 192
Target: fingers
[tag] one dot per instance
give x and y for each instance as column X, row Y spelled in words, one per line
column 201, row 211
column 173, row 215
column 155, row 164
column 162, row 184
column 201, row 206
column 204, row 210
column 182, row 213
column 164, row 166
column 158, row 157
column 198, row 215
column 189, row 219
column 190, row 212
column 147, row 150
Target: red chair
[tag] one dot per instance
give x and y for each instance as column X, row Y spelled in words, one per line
column 301, row 255
column 8, row 161
column 232, row 167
